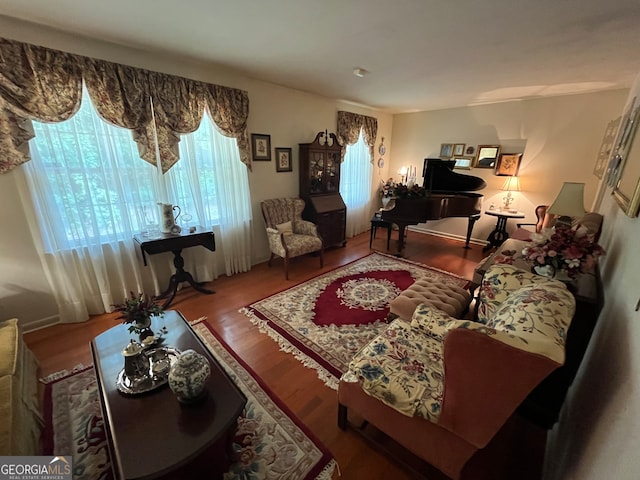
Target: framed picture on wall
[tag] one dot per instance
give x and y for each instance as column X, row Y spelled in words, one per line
column 458, row 149
column 486, row 156
column 463, row 163
column 606, row 147
column 508, row 164
column 446, row 150
column 283, row 160
column 261, row 147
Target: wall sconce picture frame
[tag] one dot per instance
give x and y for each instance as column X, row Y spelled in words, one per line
column 261, row 147
column 283, row 160
column 446, row 150
column 508, row 164
column 458, row 149
column 487, row 156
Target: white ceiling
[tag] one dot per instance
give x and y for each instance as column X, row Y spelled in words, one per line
column 421, row 54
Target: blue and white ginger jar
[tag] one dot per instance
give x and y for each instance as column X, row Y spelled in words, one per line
column 188, row 376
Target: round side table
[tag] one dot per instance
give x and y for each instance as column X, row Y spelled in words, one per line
column 499, row 233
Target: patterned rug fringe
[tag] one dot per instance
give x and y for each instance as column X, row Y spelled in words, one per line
column 287, row 347
column 197, row 320
column 64, row 373
column 327, row 472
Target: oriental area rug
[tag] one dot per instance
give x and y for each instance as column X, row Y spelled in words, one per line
column 272, row 443
column 325, row 321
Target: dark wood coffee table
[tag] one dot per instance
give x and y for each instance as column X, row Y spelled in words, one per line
column 152, row 435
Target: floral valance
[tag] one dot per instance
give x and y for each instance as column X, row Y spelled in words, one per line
column 349, row 126
column 41, row 84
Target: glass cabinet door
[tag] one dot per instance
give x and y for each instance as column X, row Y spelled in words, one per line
column 317, row 172
column 331, row 174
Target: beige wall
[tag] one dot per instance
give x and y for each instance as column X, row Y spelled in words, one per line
column 559, row 138
column 598, row 435
column 289, row 116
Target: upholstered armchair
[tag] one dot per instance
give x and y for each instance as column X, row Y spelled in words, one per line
column 444, row 388
column 288, row 234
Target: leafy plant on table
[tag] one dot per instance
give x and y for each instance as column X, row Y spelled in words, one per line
column 136, row 309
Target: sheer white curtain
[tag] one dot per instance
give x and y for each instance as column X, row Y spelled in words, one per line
column 86, row 193
column 211, row 181
column 356, row 173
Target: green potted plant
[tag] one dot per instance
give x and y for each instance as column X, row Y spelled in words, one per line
column 136, row 311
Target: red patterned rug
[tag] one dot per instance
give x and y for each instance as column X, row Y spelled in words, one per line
column 272, row 443
column 326, row 320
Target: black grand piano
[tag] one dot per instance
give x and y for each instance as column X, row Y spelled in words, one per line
column 448, row 194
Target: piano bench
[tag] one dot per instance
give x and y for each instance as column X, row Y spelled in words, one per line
column 378, row 222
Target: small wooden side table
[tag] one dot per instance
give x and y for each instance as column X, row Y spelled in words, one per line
column 167, row 242
column 499, row 234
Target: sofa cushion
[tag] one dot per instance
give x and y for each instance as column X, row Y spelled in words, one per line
column 540, row 315
column 500, row 281
column 403, row 368
column 9, row 346
column 19, row 405
column 430, row 321
column 592, row 223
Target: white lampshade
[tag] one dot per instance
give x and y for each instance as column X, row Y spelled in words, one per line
column 570, row 201
column 511, row 184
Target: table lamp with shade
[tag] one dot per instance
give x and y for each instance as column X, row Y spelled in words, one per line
column 511, row 184
column 569, row 203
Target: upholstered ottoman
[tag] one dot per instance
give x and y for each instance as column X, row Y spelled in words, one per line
column 19, row 406
column 451, row 299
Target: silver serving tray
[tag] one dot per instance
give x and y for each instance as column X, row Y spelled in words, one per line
column 160, row 361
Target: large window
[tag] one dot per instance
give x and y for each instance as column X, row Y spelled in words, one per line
column 91, row 187
column 355, row 186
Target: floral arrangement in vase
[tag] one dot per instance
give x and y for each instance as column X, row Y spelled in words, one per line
column 387, row 188
column 566, row 249
column 406, row 191
column 137, row 310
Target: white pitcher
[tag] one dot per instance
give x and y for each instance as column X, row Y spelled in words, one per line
column 167, row 217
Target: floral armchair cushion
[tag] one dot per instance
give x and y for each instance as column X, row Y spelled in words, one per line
column 294, row 244
column 283, row 216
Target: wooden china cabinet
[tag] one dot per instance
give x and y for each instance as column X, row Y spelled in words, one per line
column 320, row 188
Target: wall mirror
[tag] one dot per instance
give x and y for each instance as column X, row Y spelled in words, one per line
column 627, row 187
column 487, row 156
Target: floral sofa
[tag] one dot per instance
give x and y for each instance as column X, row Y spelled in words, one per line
column 21, row 421
column 443, row 387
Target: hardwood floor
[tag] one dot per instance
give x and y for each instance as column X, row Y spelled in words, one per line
column 64, row 346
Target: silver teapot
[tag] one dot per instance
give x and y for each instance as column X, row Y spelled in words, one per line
column 136, row 363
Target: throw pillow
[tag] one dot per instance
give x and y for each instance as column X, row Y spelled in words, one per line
column 430, row 321
column 285, row 228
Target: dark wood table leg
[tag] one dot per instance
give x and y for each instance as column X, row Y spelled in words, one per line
column 498, row 236
column 177, row 278
column 472, row 221
column 401, row 234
